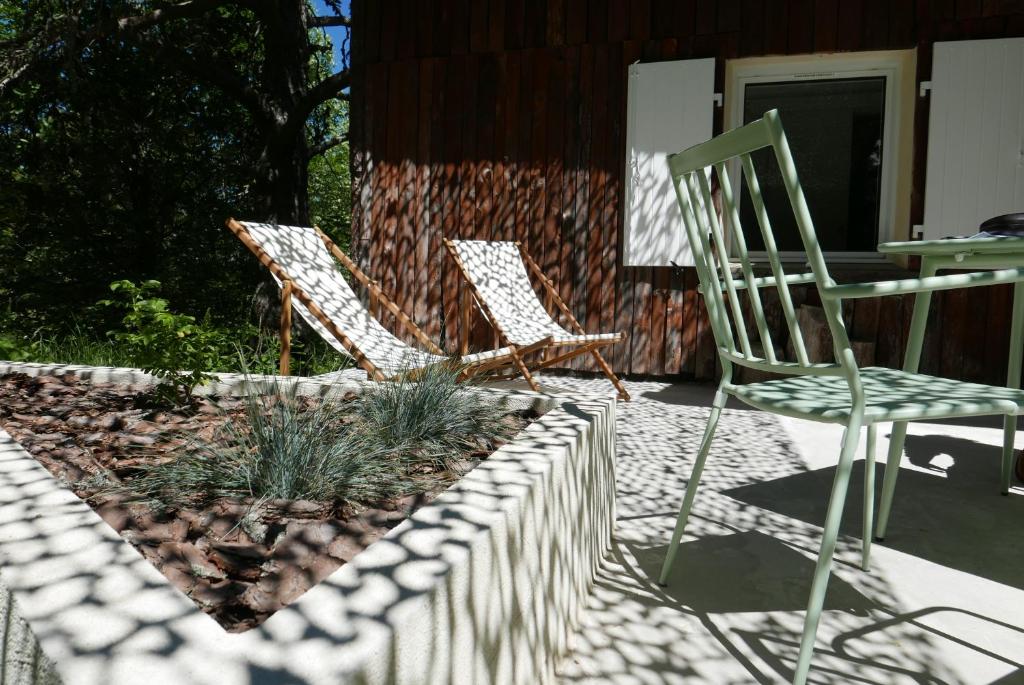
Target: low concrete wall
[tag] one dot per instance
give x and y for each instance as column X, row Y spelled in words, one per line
column 484, row 585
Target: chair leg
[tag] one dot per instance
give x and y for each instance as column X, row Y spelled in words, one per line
column 527, row 376
column 869, row 498
column 611, row 375
column 892, row 469
column 1009, row 433
column 691, row 487
column 828, row 546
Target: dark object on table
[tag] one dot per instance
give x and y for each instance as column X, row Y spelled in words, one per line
column 1007, row 225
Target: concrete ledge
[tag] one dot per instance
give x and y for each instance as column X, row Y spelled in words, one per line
column 484, row 585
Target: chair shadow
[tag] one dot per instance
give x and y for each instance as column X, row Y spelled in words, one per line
column 959, row 521
column 745, row 572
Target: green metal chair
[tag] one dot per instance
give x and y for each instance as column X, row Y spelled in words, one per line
column 838, row 392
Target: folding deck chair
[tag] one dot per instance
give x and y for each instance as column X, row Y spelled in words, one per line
column 495, row 273
column 835, row 392
column 300, row 260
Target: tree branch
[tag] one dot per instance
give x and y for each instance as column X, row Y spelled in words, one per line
column 330, row 21
column 189, row 8
column 324, row 146
column 327, row 89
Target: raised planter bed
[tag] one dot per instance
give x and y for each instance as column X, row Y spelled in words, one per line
column 484, row 584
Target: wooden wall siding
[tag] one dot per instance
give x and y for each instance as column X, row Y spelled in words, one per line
column 505, row 119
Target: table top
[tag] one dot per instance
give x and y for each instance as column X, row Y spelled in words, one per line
column 953, row 246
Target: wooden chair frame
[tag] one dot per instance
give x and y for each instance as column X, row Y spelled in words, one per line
column 544, row 345
column 511, row 360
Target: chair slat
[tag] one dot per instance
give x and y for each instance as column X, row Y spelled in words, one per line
column 723, row 264
column 697, row 237
column 748, row 272
column 788, row 311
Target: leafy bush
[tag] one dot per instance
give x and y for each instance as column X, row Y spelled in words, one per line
column 169, row 345
column 288, row 447
column 435, row 420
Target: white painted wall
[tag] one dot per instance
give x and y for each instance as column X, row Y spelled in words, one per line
column 670, row 108
column 975, row 135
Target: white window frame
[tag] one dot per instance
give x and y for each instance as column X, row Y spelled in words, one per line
column 893, row 65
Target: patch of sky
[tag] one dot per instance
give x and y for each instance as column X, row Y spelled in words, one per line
column 337, row 34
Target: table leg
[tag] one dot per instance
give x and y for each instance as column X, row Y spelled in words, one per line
column 1013, row 381
column 911, row 361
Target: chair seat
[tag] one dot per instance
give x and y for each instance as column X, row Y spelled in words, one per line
column 891, row 395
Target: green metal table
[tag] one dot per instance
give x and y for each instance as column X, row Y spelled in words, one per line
column 954, row 253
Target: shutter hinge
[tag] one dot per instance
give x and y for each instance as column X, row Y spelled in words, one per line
column 717, row 99
column 924, row 88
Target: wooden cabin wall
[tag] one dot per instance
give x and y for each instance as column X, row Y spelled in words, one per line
column 505, row 119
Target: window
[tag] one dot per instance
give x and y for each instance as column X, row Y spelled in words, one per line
column 846, row 119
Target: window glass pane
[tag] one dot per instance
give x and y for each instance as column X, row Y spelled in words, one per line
column 834, row 128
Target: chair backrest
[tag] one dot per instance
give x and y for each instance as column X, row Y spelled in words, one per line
column 499, row 275
column 304, row 258
column 691, row 172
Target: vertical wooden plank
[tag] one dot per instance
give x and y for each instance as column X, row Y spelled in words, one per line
column 901, row 25
column 403, row 277
column 801, row 27
column 954, row 314
column 511, row 159
column 535, row 22
column 515, row 16
column 615, row 163
column 618, row 21
column 776, row 27
column 556, row 21
column 876, row 24
column 523, row 171
column 575, row 22
column 707, row 17
column 1000, row 309
column 690, row 323
column 423, row 24
column 458, row 28
column 598, row 178
column 639, row 19
column 423, row 236
column 752, row 28
column 570, row 157
column 729, row 16
column 597, row 21
column 850, row 25
column 454, row 85
column 581, row 218
column 406, row 40
column 479, row 26
column 554, row 163
column 674, row 322
column 436, row 254
column 370, row 30
column 826, row 25
column 496, row 28
column 534, row 228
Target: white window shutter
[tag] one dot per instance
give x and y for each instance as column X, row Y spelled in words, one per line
column 670, row 108
column 975, row 135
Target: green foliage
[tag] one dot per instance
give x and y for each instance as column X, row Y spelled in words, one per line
column 435, row 420
column 168, row 345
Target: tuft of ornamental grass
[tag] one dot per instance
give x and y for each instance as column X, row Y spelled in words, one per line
column 397, row 438
column 434, row 420
column 287, row 447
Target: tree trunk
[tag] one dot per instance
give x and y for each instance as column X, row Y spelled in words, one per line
column 283, row 180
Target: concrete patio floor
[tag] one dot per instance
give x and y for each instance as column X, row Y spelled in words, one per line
column 943, row 603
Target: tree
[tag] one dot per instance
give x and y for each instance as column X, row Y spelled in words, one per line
column 281, row 85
